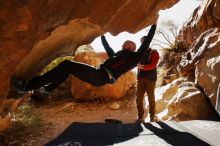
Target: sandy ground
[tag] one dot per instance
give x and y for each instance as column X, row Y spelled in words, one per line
column 57, row 114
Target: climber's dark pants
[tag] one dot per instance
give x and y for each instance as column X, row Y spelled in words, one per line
column 54, row 77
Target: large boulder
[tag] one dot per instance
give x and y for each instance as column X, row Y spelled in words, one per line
column 182, row 100
column 84, row 91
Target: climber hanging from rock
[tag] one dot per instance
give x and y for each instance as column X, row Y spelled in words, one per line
column 107, row 73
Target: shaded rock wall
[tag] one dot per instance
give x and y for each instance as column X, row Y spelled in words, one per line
column 84, row 91
column 24, row 22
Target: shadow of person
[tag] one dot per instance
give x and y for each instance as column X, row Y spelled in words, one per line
column 172, row 134
column 96, row 134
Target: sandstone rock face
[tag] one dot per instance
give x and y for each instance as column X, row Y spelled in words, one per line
column 204, row 17
column 164, row 94
column 188, row 103
column 84, row 91
column 23, row 23
column 196, row 52
column 208, row 68
column 181, row 100
column 199, row 65
column 64, row 40
column 202, row 60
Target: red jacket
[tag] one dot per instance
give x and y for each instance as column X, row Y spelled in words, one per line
column 152, row 63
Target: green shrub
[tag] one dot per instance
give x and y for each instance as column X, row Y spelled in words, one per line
column 57, row 61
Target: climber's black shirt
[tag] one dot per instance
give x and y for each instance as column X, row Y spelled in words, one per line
column 125, row 60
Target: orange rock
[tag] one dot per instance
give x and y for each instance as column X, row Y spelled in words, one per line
column 24, row 23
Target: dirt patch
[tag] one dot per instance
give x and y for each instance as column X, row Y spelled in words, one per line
column 43, row 122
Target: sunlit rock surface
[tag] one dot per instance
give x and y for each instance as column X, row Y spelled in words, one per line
column 208, row 68
column 201, row 35
column 181, row 100
column 84, row 91
column 202, row 60
column 204, row 17
column 199, row 65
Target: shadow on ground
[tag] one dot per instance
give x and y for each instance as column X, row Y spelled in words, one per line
column 116, row 133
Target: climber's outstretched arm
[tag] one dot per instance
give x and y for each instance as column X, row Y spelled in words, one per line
column 145, row 45
column 108, row 49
